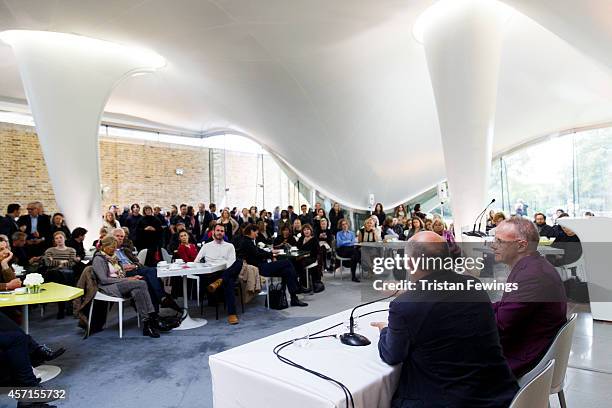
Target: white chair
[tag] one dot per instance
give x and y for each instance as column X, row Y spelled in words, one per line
column 534, row 394
column 268, row 281
column 559, row 351
column 142, row 255
column 342, row 260
column 308, row 278
column 111, row 299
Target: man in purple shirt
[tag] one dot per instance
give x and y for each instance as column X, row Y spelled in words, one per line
column 528, row 318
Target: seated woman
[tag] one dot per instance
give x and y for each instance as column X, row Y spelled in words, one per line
column 8, row 279
column 439, row 227
column 103, row 232
column 230, row 224
column 59, row 260
column 297, row 228
column 186, row 250
column 416, row 225
column 326, row 238
column 388, row 230
column 58, row 224
column 368, row 232
column 263, row 235
column 112, row 281
column 284, row 238
column 345, row 246
column 320, row 214
column 428, row 224
column 568, row 241
column 308, row 242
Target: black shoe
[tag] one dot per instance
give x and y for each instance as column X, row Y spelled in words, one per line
column 356, row 280
column 297, row 302
column 318, row 287
column 149, row 329
column 170, row 303
column 43, row 354
column 162, row 326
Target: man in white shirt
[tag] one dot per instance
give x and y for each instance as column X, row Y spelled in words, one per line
column 219, row 251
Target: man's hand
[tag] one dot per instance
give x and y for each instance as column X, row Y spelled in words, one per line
column 150, row 228
column 129, row 267
column 14, row 284
column 63, row 262
column 35, row 234
column 137, row 277
column 380, row 325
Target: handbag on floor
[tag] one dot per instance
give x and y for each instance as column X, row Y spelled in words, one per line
column 278, row 296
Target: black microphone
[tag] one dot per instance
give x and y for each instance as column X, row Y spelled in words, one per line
column 354, row 339
column 473, row 232
column 484, row 234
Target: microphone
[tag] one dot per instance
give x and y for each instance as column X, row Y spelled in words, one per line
column 484, row 234
column 355, row 339
column 475, row 233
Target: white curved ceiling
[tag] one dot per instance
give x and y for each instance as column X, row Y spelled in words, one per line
column 338, row 89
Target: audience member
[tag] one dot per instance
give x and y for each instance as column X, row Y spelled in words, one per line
column 297, row 228
column 284, row 238
column 379, row 213
column 400, row 211
column 568, row 241
column 292, row 215
column 58, row 224
column 131, row 267
column 529, row 318
column 110, row 222
column 149, row 230
column 186, row 250
column 335, row 215
column 37, row 226
column 8, row 225
column 258, row 257
column 229, row 224
column 308, row 242
column 345, row 246
column 59, row 261
column 112, row 280
column 132, row 221
column 544, row 229
column 305, row 217
column 446, row 340
column 219, row 251
column 416, row 212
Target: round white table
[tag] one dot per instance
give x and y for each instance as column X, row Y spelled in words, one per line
column 184, row 270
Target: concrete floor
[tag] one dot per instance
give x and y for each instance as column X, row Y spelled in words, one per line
column 104, row 371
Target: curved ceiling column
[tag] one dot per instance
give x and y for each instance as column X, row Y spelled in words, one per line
column 67, row 81
column 462, row 41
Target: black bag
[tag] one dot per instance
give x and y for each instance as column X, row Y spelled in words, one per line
column 278, row 296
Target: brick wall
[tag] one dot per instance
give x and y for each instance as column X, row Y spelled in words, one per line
column 143, row 172
column 130, row 172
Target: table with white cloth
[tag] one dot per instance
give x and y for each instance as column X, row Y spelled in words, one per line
column 252, row 376
column 185, row 270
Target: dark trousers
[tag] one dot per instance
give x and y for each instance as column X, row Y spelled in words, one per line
column 229, row 277
column 154, row 284
column 15, row 349
column 352, row 253
column 315, row 273
column 281, row 269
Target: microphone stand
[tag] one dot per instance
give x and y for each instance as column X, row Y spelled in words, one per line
column 355, row 339
column 473, row 232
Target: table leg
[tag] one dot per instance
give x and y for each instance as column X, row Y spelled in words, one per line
column 25, row 322
column 189, row 322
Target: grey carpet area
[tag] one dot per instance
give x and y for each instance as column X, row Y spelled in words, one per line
column 172, row 371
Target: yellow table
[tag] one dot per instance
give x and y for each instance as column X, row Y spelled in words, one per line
column 54, row 292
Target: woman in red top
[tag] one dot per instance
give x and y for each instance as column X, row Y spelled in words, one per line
column 186, row 251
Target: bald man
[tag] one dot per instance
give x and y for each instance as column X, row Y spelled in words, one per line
column 529, row 318
column 447, row 340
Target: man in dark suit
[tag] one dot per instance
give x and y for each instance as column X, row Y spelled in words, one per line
column 38, row 228
column 256, row 256
column 529, row 318
column 544, row 229
column 292, row 215
column 305, row 217
column 9, row 226
column 446, row 339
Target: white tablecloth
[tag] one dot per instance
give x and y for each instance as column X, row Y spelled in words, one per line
column 252, row 376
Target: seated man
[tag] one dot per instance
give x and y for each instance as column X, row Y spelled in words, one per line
column 20, row 253
column 529, row 318
column 256, row 256
column 544, row 229
column 446, row 339
column 220, row 251
column 19, row 352
column 132, row 267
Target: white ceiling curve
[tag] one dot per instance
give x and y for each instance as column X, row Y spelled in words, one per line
column 338, row 89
